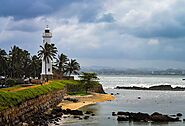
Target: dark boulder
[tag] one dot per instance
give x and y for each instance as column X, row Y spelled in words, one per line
column 179, row 114
column 122, row 118
column 86, row 117
column 114, row 114
column 140, row 117
column 76, row 112
column 88, row 112
column 123, row 113
column 158, row 117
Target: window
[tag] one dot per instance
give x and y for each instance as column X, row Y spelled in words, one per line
column 48, row 69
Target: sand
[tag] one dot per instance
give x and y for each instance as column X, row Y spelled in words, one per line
column 85, row 100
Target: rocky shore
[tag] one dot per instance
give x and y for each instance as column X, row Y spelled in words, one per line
column 145, row 117
column 54, row 116
column 159, row 87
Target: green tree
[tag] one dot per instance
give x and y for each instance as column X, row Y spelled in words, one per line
column 88, row 79
column 72, row 67
column 18, row 62
column 3, row 62
column 61, row 64
column 47, row 52
column 36, row 66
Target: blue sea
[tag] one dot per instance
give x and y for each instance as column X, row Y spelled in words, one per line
column 166, row 102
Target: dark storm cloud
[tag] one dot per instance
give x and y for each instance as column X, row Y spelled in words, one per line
column 21, row 9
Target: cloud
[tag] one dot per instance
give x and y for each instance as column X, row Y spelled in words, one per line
column 98, row 30
column 153, row 42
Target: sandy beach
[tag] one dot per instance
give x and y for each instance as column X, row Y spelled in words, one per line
column 85, row 100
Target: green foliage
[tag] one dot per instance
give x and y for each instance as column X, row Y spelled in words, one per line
column 72, row 67
column 10, row 82
column 89, row 80
column 18, row 63
column 9, row 99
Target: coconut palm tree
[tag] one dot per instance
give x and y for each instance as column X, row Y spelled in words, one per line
column 72, row 67
column 47, row 52
column 61, row 64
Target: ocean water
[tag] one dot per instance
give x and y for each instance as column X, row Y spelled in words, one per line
column 166, row 102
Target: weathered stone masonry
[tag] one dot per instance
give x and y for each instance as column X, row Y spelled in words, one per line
column 28, row 108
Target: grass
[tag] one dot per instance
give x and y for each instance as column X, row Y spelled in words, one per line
column 9, row 99
column 11, row 88
column 12, row 98
column 80, row 93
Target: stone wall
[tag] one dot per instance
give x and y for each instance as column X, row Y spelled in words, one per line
column 20, row 113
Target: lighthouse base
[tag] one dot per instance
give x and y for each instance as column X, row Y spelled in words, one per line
column 46, row 77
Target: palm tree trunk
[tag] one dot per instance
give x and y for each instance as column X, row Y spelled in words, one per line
column 46, row 76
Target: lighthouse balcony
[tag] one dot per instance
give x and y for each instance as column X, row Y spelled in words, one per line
column 47, row 35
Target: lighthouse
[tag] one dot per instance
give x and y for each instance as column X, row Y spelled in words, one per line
column 46, row 67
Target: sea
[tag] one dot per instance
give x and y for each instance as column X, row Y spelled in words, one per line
column 166, row 102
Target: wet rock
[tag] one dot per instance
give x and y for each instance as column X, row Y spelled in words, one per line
column 158, row 117
column 122, row 118
column 72, row 99
column 76, row 116
column 114, row 114
column 76, row 112
column 179, row 114
column 88, row 112
column 86, row 117
column 92, row 114
column 139, row 117
column 123, row 113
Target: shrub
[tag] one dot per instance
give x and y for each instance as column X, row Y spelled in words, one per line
column 10, row 82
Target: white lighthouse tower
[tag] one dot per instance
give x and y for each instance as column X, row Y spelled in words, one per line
column 46, row 68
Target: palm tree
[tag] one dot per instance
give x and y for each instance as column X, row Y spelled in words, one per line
column 72, row 67
column 47, row 52
column 19, row 62
column 88, row 79
column 3, row 61
column 62, row 64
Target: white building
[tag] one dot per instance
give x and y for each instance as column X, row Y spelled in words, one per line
column 47, row 35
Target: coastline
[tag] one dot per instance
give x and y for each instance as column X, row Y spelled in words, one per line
column 93, row 98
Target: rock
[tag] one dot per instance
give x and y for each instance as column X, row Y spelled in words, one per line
column 122, row 118
column 179, row 114
column 68, row 111
column 88, row 112
column 25, row 124
column 76, row 112
column 123, row 113
column 158, row 117
column 76, row 116
column 72, row 99
column 114, row 114
column 86, row 117
column 158, row 87
column 92, row 114
column 140, row 117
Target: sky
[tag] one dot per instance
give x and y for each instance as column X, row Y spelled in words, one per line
column 111, row 33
